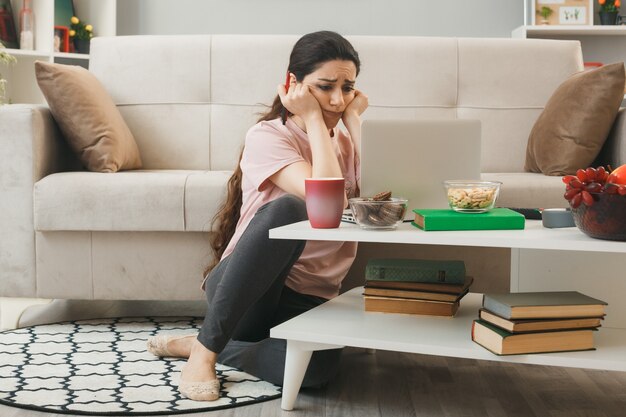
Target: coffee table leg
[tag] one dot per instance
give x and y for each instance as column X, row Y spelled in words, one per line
column 296, row 362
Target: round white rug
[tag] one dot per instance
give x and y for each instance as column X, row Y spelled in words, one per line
column 101, row 367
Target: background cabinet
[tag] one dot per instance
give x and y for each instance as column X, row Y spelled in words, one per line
column 22, row 86
column 606, row 44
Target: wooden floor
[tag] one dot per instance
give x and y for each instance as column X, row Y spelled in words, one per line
column 393, row 384
column 398, row 385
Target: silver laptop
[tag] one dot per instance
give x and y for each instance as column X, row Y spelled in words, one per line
column 412, row 158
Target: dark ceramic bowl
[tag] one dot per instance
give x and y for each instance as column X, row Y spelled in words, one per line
column 605, row 219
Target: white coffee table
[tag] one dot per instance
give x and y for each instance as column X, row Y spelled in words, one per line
column 343, row 321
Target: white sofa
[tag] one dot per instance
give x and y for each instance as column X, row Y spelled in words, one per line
column 189, row 101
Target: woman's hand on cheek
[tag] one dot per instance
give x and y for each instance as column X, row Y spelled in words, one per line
column 299, row 100
column 357, row 106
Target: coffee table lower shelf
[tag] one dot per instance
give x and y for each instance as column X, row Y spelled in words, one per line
column 343, row 321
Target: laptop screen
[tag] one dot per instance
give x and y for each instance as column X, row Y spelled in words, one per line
column 412, row 158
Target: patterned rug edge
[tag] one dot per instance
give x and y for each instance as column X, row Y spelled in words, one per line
column 83, row 412
column 132, row 413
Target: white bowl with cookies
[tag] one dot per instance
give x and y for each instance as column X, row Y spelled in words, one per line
column 472, row 196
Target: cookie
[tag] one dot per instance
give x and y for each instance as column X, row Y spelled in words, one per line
column 374, row 219
column 382, row 196
column 361, row 211
column 391, row 212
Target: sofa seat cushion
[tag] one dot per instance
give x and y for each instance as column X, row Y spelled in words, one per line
column 144, row 200
column 528, row 190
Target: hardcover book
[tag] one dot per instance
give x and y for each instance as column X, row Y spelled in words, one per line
column 408, row 306
column 415, row 270
column 448, row 219
column 422, row 286
column 537, row 325
column 534, row 305
column 501, row 342
column 414, row 295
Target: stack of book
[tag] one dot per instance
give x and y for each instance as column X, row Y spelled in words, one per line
column 415, row 286
column 537, row 322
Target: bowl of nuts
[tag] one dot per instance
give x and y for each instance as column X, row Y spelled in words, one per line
column 379, row 212
column 472, row 196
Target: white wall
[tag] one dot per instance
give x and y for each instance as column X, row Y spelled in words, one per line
column 466, row 18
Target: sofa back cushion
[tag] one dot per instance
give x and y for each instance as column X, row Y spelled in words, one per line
column 189, row 100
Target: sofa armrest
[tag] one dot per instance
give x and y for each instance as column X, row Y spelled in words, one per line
column 614, row 150
column 31, row 147
column 30, row 136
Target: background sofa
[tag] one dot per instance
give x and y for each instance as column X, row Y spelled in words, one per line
column 189, row 100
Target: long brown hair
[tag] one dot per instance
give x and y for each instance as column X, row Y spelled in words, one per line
column 309, row 52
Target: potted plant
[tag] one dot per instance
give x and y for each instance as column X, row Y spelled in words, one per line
column 81, row 34
column 5, row 59
column 545, row 12
column 609, row 9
